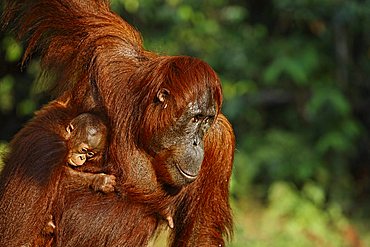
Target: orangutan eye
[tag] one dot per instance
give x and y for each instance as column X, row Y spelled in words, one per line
column 90, row 154
column 196, row 118
column 209, row 120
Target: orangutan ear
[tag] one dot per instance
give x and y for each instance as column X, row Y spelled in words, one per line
column 69, row 130
column 162, row 96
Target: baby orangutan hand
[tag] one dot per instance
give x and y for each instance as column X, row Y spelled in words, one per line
column 103, row 182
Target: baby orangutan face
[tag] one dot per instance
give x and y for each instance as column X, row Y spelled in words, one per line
column 86, row 139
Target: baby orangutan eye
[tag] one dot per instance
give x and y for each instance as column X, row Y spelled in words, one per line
column 90, row 154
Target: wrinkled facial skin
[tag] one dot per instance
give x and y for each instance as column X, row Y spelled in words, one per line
column 180, row 149
column 80, row 154
column 86, row 140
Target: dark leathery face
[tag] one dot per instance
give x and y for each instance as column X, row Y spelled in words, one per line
column 181, row 146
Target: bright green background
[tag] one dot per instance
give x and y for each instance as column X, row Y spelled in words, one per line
column 296, row 87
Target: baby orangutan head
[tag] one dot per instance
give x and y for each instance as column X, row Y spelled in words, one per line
column 86, row 139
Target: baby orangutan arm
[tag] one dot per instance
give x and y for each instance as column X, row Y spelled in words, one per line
column 97, row 181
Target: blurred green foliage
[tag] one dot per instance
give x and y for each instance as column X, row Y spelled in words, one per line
column 297, row 91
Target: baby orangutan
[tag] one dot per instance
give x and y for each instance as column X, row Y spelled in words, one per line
column 86, row 139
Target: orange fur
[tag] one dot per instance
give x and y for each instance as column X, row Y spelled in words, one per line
column 97, row 62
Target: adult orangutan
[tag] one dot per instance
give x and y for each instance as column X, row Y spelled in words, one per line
column 170, row 147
